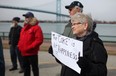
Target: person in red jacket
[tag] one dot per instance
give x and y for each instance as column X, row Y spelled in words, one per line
column 31, row 37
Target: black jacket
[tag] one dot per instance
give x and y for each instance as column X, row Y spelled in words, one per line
column 2, row 62
column 93, row 62
column 14, row 35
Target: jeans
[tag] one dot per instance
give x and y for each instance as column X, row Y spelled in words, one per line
column 15, row 53
column 31, row 61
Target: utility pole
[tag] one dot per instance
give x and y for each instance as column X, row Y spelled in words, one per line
column 58, row 10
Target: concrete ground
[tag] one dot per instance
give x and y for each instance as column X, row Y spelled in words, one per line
column 48, row 66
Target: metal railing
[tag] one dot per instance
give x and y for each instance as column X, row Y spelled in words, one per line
column 4, row 35
column 105, row 38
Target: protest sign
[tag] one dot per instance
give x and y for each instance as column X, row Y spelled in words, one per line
column 67, row 50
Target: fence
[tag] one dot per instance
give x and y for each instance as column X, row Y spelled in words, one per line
column 4, row 35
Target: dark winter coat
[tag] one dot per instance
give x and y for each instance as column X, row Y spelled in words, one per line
column 14, row 35
column 2, row 62
column 93, row 63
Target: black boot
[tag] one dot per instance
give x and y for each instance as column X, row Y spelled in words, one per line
column 13, row 68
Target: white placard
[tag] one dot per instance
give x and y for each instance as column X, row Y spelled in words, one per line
column 67, row 50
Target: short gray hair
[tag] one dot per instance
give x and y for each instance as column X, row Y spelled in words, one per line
column 83, row 18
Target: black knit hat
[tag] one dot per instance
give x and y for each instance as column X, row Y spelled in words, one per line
column 16, row 19
column 73, row 4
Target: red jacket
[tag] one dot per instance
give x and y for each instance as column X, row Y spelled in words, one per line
column 31, row 37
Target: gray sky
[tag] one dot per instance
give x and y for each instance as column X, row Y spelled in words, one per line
column 99, row 9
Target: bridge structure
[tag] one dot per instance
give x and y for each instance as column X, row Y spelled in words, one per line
column 57, row 13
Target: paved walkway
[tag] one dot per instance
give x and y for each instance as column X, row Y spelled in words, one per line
column 48, row 66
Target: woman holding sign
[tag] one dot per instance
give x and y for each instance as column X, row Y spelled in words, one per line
column 93, row 62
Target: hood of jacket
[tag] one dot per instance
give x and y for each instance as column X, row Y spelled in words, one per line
column 33, row 22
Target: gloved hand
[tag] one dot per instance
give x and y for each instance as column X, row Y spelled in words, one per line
column 84, row 63
column 50, row 50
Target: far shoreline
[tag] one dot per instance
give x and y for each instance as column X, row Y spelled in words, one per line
column 66, row 21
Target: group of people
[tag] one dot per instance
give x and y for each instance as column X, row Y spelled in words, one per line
column 25, row 42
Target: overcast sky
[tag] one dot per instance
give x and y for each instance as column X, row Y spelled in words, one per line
column 99, row 9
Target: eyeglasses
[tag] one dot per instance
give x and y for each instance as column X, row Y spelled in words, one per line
column 73, row 24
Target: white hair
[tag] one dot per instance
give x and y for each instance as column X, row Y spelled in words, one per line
column 83, row 18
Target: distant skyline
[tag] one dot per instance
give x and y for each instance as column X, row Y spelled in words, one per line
column 103, row 10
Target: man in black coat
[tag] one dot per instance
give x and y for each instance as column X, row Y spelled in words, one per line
column 14, row 35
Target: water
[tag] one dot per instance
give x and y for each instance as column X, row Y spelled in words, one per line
column 107, row 32
column 46, row 27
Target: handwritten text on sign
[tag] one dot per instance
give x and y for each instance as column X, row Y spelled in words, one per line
column 67, row 50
